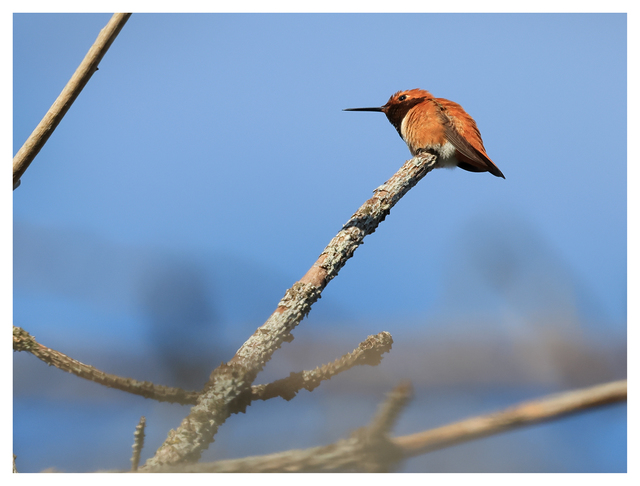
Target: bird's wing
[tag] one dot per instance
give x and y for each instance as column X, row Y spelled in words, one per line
column 469, row 146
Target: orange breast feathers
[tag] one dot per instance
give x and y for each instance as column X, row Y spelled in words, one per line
column 422, row 127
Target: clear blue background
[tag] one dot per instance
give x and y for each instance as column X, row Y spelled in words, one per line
column 208, row 162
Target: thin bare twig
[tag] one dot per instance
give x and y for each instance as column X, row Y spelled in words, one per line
column 228, row 384
column 23, row 341
column 390, row 409
column 347, row 454
column 78, row 81
column 138, row 443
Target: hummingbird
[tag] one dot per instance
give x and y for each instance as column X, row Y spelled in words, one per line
column 438, row 126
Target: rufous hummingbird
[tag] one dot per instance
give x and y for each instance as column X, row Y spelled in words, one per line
column 439, row 126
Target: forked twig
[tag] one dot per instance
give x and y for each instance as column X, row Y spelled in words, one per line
column 368, row 449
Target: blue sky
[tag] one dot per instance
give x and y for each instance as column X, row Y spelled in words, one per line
column 198, row 138
column 217, row 145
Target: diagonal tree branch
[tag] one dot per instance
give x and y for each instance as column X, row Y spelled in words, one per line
column 357, row 454
column 78, row 81
column 228, row 384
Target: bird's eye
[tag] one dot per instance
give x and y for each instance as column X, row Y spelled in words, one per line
column 402, row 98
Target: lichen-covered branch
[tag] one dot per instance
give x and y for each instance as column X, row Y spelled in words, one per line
column 23, row 341
column 368, row 352
column 229, row 384
column 361, row 453
column 61, row 105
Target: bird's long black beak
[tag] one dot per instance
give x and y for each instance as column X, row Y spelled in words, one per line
column 363, row 109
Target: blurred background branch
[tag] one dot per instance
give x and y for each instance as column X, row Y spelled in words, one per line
column 367, row 450
column 370, row 450
column 547, row 408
